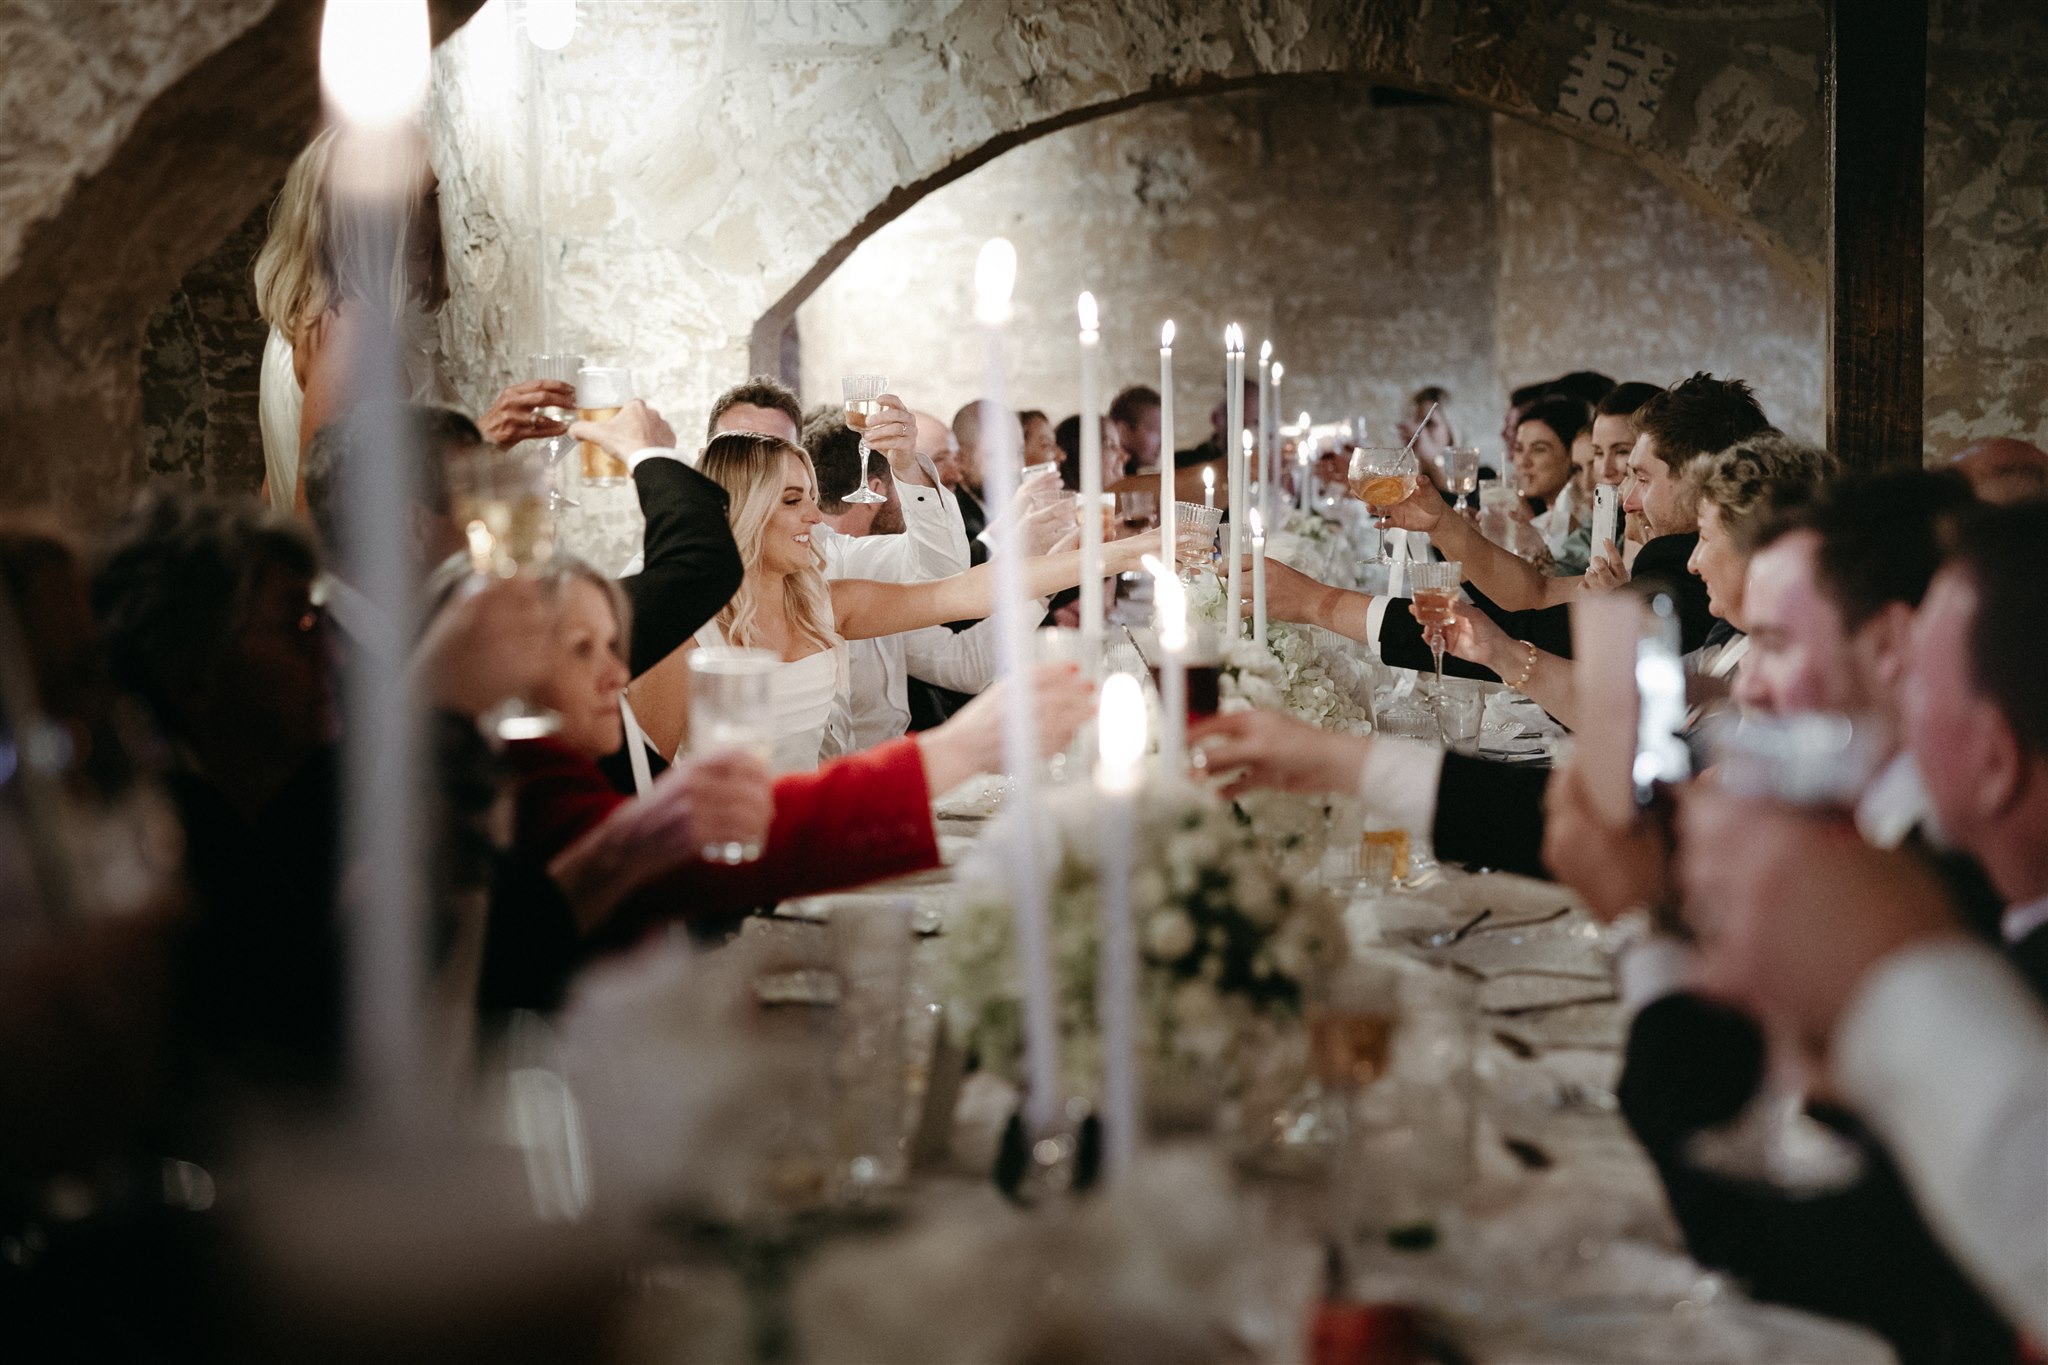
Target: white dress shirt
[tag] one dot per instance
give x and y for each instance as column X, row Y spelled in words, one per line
column 1945, row 1052
column 932, row 544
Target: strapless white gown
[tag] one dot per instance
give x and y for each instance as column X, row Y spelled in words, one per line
column 806, row 693
column 280, row 402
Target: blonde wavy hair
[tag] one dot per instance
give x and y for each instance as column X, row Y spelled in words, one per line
column 1754, row 481
column 314, row 256
column 748, row 466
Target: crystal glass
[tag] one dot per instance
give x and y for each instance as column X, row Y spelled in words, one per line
column 499, row 499
column 732, row 706
column 601, row 390
column 1460, row 707
column 1352, row 1011
column 1382, row 476
column 1461, row 472
column 1435, row 585
column 1138, row 511
column 1194, row 528
column 861, row 394
column 562, row 367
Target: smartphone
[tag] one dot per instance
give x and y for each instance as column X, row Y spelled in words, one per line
column 1606, row 516
column 1630, row 680
column 1662, row 755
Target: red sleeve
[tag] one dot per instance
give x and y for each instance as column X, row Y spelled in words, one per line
column 560, row 796
column 854, row 820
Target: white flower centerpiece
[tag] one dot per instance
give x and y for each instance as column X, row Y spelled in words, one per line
column 1229, row 933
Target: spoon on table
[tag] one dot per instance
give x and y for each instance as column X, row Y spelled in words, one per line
column 1444, row 938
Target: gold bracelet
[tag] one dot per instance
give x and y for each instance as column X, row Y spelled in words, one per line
column 1528, row 667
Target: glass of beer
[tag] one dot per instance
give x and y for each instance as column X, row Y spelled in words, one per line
column 1381, row 476
column 862, row 394
column 601, row 390
column 732, row 707
column 500, row 500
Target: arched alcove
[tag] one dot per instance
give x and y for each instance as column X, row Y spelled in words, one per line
column 1381, row 240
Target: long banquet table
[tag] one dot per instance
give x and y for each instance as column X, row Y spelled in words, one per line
column 1559, row 1248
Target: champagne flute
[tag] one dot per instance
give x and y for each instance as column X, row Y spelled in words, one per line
column 499, row 499
column 601, row 390
column 1382, row 476
column 861, row 394
column 1461, row 472
column 1435, row 585
column 564, row 367
column 732, row 707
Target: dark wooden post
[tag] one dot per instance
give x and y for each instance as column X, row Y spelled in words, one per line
column 1875, row 87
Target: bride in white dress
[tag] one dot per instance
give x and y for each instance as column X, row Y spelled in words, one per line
column 314, row 287
column 785, row 604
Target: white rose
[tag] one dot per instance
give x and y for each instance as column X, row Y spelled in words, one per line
column 1169, row 935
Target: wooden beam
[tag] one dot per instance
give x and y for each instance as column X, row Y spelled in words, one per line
column 1875, row 84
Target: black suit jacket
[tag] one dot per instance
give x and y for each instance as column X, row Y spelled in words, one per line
column 690, row 567
column 1662, row 562
column 1862, row 1253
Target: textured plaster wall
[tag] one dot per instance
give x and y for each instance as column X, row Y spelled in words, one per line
column 1359, row 239
column 711, row 163
column 1603, row 267
column 1987, row 224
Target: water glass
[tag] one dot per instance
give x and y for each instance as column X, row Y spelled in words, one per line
column 1461, row 472
column 1194, row 528
column 1462, row 706
column 732, row 707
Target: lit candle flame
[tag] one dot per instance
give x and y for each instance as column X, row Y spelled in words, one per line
column 995, row 276
column 1278, row 370
column 1089, row 325
column 1266, row 352
column 1166, row 336
column 1258, row 525
column 374, row 59
column 550, row 24
column 1233, row 339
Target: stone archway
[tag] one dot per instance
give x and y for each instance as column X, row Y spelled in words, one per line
column 739, row 154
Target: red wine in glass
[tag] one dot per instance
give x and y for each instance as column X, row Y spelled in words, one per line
column 1204, row 689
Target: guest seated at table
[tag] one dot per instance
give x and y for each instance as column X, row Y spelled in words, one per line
column 1613, row 438
column 1041, row 444
column 967, row 434
column 1927, row 1038
column 786, row 605
column 1135, row 415
column 1675, row 427
column 1545, row 436
column 625, row 864
column 1737, row 494
column 1831, row 595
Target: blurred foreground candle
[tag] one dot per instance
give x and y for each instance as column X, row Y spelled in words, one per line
column 1233, row 454
column 1208, row 486
column 1120, row 731
column 1170, row 622
column 1091, row 492
column 1305, row 460
column 1169, row 492
column 1257, row 489
column 1258, row 579
column 995, row 274
column 1269, row 465
column 373, row 71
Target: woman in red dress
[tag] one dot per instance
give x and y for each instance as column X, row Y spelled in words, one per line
column 625, row 864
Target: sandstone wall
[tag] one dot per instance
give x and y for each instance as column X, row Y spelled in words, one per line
column 1603, row 267
column 1359, row 239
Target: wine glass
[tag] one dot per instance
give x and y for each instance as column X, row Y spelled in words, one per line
column 1461, row 472
column 1194, row 535
column 1435, row 587
column 1352, row 1011
column 1382, row 476
column 601, row 390
column 563, row 367
column 732, row 707
column 499, row 499
column 862, row 392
